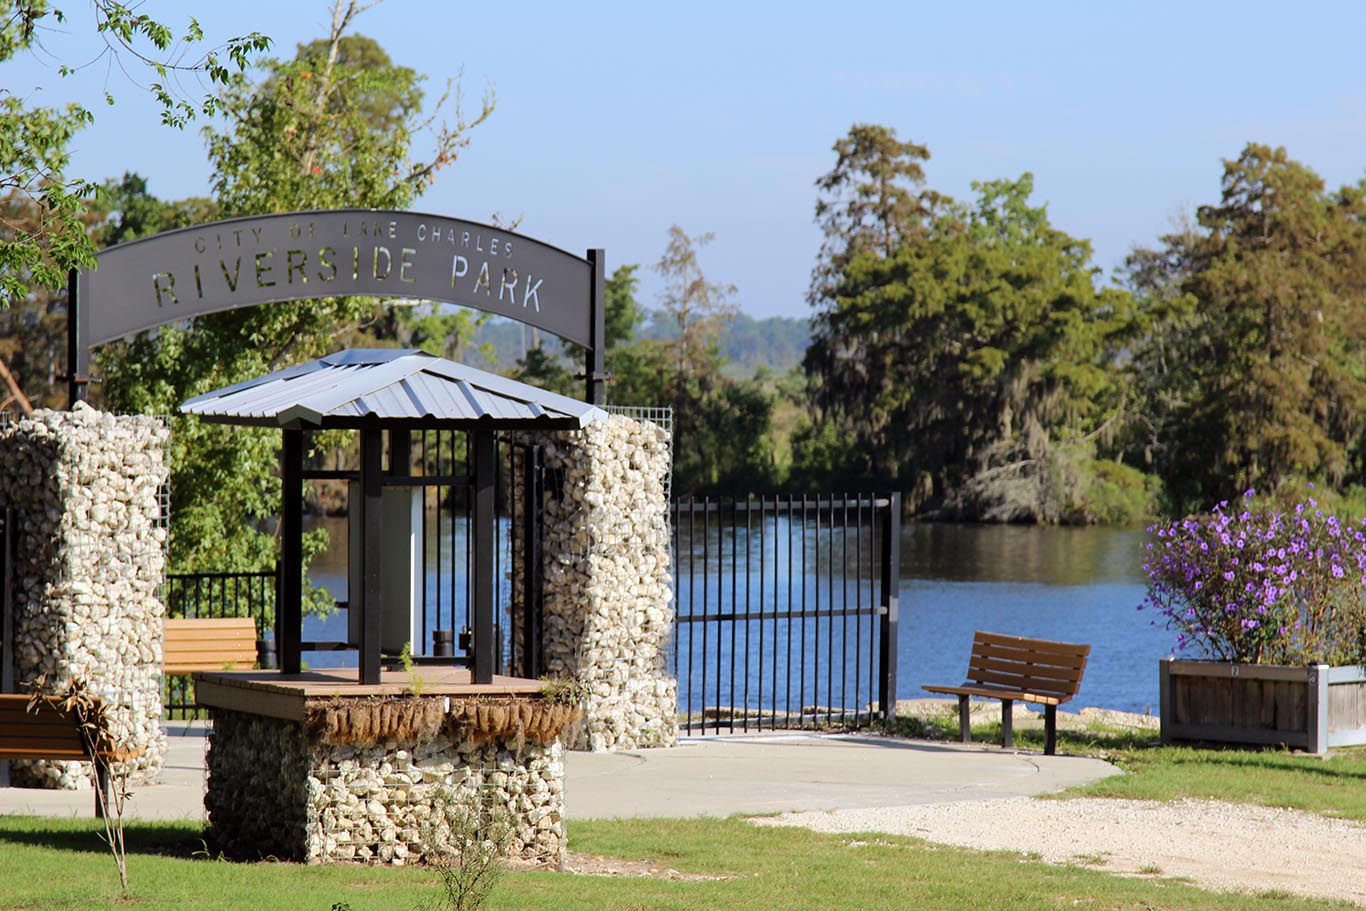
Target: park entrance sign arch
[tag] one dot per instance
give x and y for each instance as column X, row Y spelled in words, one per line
column 245, row 262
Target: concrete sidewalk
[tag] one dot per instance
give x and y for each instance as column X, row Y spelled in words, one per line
column 715, row 776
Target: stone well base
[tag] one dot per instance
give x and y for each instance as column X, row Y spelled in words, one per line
column 273, row 789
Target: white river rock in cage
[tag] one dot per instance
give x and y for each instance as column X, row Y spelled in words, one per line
column 88, row 565
column 608, row 613
column 273, row 790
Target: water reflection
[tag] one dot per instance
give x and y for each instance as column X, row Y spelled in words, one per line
column 1020, row 553
column 1073, row 584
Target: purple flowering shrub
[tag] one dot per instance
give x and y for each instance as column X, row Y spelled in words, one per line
column 1266, row 587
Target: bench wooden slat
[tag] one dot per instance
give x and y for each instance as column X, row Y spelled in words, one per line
column 1024, row 665
column 19, row 746
column 52, row 732
column 41, row 751
column 10, row 730
column 193, row 623
column 1063, row 686
column 1042, row 660
column 209, row 644
column 999, row 693
column 211, row 636
column 1042, row 646
column 50, row 726
column 1016, row 668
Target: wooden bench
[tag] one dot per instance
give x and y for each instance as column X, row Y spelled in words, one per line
column 44, row 728
column 209, row 644
column 1008, row 668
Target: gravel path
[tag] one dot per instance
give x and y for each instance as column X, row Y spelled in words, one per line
column 1221, row 846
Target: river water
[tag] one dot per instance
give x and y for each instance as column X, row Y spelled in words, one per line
column 1072, row 584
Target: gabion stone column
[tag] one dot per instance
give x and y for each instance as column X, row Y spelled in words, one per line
column 608, row 613
column 88, row 562
column 290, row 789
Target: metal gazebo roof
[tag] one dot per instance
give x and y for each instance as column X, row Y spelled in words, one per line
column 368, row 386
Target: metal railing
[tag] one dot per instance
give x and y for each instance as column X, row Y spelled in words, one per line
column 250, row 594
column 786, row 612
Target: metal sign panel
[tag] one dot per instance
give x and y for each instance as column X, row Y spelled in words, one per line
column 243, row 262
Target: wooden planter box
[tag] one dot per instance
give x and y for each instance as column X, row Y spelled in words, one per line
column 1313, row 708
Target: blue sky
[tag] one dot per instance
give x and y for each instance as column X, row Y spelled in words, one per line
column 616, row 120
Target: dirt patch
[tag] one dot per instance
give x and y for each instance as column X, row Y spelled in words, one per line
column 1221, row 846
column 579, row 864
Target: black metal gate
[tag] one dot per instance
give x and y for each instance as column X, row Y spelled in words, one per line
column 786, row 612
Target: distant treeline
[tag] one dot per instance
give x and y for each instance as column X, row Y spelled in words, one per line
column 964, row 352
column 968, row 354
column 774, row 343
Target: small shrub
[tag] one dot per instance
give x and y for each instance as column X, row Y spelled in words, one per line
column 416, row 683
column 77, row 698
column 1264, row 587
column 571, row 690
column 464, row 841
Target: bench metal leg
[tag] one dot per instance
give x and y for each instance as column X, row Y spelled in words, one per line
column 1050, row 729
column 1007, row 723
column 964, row 720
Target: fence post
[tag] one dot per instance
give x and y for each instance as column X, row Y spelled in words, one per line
column 7, row 536
column 7, row 655
column 1316, row 680
column 1166, row 713
column 532, row 601
column 891, row 576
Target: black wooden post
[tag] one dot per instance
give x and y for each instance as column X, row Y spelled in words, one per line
column 531, row 562
column 77, row 355
column 7, row 536
column 372, row 538
column 891, row 576
column 595, row 365
column 484, row 476
column 289, row 609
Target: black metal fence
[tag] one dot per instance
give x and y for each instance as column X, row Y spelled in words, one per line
column 786, row 611
column 213, row 595
column 437, row 463
column 786, row 606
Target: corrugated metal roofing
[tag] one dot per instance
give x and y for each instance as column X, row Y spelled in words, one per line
column 388, row 384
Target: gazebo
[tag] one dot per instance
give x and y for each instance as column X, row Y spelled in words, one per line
column 386, row 395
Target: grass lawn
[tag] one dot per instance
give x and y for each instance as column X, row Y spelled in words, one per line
column 48, row 863
column 1335, row 786
column 1273, row 777
column 60, row 864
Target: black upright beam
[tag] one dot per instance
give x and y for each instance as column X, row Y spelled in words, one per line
column 77, row 355
column 289, row 611
column 891, row 576
column 595, row 365
column 7, row 535
column 531, row 562
column 485, row 475
column 372, row 539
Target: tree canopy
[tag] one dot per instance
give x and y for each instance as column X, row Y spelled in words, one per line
column 1255, row 331
column 333, row 127
column 36, row 252
column 958, row 347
